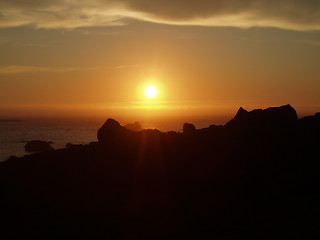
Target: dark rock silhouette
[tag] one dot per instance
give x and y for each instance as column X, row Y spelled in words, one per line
column 256, row 177
column 242, row 114
column 283, row 116
column 134, row 126
column 38, row 146
column 110, row 129
column 188, row 128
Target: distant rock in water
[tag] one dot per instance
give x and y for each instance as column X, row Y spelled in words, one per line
column 270, row 117
column 188, row 128
column 38, row 146
column 136, row 127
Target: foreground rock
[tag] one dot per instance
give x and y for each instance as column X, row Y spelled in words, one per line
column 256, row 177
column 38, row 146
column 72, row 145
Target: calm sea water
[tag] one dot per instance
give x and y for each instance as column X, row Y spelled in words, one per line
column 14, row 135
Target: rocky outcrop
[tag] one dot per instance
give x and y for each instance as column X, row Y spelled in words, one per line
column 283, row 116
column 110, row 129
column 38, row 146
column 189, row 128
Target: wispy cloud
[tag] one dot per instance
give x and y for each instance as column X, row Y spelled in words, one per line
column 287, row 14
column 17, row 69
column 126, row 66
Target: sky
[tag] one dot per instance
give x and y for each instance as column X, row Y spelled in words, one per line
column 78, row 59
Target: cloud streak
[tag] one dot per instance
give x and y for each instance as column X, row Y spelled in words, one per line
column 286, row 14
column 17, row 69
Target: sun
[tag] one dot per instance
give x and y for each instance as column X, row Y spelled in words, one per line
column 151, row 91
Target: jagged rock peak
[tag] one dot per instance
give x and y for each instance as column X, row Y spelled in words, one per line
column 241, row 112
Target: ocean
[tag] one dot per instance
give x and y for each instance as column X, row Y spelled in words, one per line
column 15, row 134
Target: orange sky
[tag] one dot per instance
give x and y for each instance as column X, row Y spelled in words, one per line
column 208, row 58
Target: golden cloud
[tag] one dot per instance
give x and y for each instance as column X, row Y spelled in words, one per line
column 286, row 14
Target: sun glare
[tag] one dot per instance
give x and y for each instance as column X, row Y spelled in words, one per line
column 151, row 91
